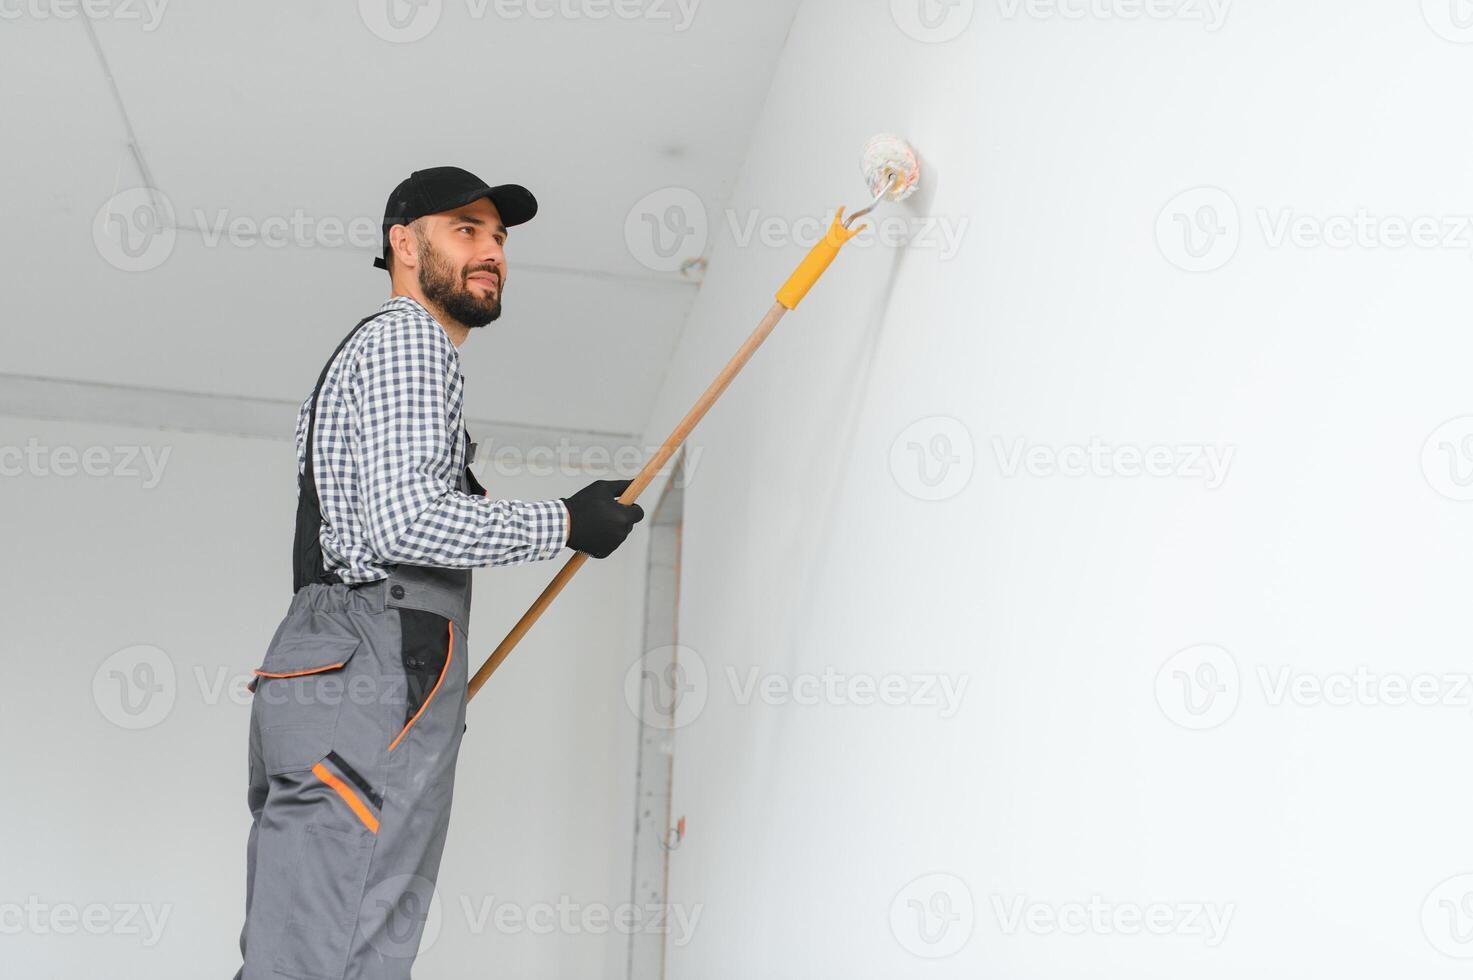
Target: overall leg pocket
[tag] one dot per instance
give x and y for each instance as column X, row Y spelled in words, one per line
column 427, row 649
column 330, row 874
column 299, row 690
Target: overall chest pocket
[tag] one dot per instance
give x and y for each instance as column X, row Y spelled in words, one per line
column 299, row 691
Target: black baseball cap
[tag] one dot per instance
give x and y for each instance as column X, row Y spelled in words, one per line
column 445, row 189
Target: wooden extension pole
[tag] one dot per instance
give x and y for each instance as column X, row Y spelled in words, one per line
column 788, row 297
column 636, row 487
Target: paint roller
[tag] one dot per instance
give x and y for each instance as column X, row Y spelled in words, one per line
column 891, row 172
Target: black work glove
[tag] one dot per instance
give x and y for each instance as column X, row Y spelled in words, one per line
column 598, row 523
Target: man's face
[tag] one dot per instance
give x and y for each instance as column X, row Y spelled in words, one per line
column 461, row 263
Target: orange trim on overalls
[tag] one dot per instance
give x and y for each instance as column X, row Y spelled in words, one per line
column 349, row 797
column 449, row 652
column 302, row 673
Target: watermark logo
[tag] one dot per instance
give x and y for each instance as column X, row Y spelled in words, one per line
column 134, row 229
column 1447, row 459
column 1190, row 461
column 933, row 458
column 1212, row 14
column 1363, row 229
column 38, row 918
column 1447, row 917
column 1451, row 20
column 572, row 918
column 942, row 234
column 223, row 684
column 679, row 14
column 149, row 12
column 400, row 21
column 1199, row 230
column 1207, row 921
column 401, row 916
column 932, row 21
column 143, row 463
column 1363, row 688
column 665, row 228
column 296, row 230
column 670, row 230
column 403, row 21
column 135, row 687
column 943, row 692
column 933, row 916
column 667, row 687
column 1198, row 688
column 568, row 458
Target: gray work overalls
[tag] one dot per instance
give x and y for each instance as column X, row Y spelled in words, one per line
column 356, row 721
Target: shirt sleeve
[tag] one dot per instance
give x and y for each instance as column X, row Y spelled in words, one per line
column 303, row 417
column 413, row 511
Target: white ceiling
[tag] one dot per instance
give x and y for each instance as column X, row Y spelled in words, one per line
column 266, row 110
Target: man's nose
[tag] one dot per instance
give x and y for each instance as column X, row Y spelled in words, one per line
column 493, row 255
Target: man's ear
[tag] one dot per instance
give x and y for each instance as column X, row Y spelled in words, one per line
column 402, row 244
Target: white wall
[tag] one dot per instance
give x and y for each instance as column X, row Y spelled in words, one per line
column 197, row 565
column 1320, row 831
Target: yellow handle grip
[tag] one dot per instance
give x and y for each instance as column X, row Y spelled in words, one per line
column 815, row 262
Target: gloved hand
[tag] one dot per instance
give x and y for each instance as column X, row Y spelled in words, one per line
column 598, row 522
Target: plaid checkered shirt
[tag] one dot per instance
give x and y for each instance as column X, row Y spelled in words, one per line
column 389, row 453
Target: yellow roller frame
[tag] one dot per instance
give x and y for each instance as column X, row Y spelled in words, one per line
column 819, row 258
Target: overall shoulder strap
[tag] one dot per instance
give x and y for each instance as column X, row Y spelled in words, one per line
column 307, row 563
column 470, row 484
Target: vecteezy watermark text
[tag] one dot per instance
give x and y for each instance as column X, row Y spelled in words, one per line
column 1201, row 687
column 149, row 12
column 1212, row 14
column 1208, row 463
column 34, row 459
column 1201, row 229
column 39, row 918
column 833, row 687
column 667, row 228
column 668, row 687
column 569, row 458
column 1207, row 921
column 406, row 21
column 568, row 917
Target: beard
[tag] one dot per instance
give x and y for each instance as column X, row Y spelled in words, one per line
column 446, row 287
